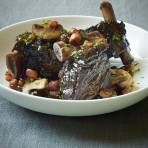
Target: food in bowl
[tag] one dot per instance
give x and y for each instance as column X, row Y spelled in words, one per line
column 73, row 64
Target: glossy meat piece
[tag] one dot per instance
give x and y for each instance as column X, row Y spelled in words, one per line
column 82, row 79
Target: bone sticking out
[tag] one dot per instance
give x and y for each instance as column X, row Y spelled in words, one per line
column 108, row 12
column 109, row 17
column 126, row 58
column 62, row 51
column 124, row 52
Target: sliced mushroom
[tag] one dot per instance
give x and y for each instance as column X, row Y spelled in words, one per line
column 107, row 92
column 133, row 68
column 47, row 31
column 35, row 85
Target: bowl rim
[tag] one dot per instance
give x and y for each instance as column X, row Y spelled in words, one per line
column 3, row 87
column 65, row 16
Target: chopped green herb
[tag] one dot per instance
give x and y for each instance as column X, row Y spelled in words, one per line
column 24, row 37
column 117, row 37
column 77, row 54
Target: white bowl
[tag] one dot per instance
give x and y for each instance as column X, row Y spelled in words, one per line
column 138, row 39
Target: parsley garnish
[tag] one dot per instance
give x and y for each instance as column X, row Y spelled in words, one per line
column 24, row 37
column 77, row 54
column 117, row 37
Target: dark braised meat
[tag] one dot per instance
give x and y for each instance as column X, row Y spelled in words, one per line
column 38, row 55
column 82, row 79
column 115, row 33
column 86, row 71
column 35, row 51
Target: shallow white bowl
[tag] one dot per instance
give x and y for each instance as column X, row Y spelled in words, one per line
column 138, row 39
